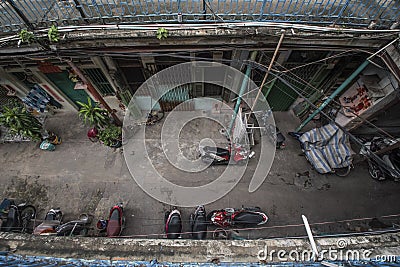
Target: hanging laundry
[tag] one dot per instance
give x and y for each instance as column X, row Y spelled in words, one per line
column 37, row 99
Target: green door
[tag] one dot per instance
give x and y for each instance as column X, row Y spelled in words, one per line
column 62, row 81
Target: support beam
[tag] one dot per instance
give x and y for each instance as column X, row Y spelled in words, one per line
column 241, row 92
column 334, row 94
column 268, row 70
column 344, row 85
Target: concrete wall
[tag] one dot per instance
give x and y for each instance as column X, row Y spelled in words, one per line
column 181, row 250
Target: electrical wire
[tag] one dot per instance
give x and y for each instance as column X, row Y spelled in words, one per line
column 287, row 226
column 334, row 101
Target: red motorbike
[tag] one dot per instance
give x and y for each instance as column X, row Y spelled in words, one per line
column 235, row 154
column 244, row 216
column 115, row 221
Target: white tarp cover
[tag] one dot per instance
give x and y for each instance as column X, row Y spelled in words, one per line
column 327, row 148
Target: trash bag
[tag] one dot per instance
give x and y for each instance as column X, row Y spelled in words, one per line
column 46, row 145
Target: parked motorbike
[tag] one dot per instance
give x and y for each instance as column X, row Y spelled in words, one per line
column 173, row 223
column 116, row 220
column 244, row 216
column 221, row 156
column 198, row 222
column 50, row 223
column 267, row 128
column 16, row 217
column 77, row 227
column 385, row 165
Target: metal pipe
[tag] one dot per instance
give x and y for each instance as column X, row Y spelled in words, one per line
column 241, row 92
column 355, row 139
column 269, row 69
column 344, row 84
column 94, row 92
column 334, row 94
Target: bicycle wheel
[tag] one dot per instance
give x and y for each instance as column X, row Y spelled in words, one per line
column 28, row 213
column 343, row 172
column 220, row 233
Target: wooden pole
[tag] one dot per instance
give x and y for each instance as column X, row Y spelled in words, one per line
column 268, row 70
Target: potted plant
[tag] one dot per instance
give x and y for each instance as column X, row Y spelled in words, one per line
column 111, row 136
column 93, row 115
column 21, row 122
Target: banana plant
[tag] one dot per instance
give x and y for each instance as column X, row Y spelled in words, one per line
column 53, row 34
column 20, row 121
column 93, row 115
column 162, row 33
column 26, row 37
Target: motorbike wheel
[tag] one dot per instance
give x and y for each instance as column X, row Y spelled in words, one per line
column 191, row 219
column 166, row 216
column 27, row 214
column 375, row 172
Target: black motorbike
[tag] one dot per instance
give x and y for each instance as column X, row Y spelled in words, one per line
column 77, row 227
column 198, row 222
column 16, row 218
column 173, row 223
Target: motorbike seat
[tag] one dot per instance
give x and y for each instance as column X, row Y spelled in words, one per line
column 218, row 150
column 174, row 226
column 248, row 218
column 114, row 226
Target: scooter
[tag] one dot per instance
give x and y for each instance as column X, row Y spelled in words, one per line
column 16, row 217
column 221, row 156
column 50, row 223
column 77, row 227
column 244, row 216
column 116, row 220
column 173, row 223
column 198, row 222
column 386, row 165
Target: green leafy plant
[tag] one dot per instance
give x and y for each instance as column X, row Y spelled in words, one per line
column 110, row 135
column 20, row 121
column 26, row 37
column 93, row 115
column 162, row 33
column 53, row 34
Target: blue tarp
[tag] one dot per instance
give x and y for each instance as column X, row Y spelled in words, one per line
column 327, row 148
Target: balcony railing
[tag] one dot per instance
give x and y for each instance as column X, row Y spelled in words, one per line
column 14, row 14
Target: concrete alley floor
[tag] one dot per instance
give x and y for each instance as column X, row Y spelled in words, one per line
column 81, row 176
